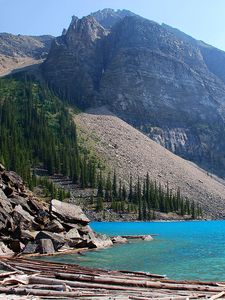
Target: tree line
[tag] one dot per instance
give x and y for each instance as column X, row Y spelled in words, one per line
column 145, row 197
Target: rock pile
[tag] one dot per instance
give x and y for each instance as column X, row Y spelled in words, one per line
column 29, row 225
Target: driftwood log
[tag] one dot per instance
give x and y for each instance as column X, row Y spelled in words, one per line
column 68, row 281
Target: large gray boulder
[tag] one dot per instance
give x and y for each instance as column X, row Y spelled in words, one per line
column 73, row 234
column 102, row 241
column 58, row 240
column 46, row 246
column 23, row 219
column 30, row 248
column 68, row 212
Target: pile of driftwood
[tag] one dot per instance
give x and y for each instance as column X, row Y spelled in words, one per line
column 49, row 280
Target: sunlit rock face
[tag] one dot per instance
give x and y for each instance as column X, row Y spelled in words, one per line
column 156, row 78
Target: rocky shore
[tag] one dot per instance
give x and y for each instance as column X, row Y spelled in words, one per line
column 29, row 225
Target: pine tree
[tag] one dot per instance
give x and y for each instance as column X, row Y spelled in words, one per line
column 124, row 193
column 130, row 196
column 100, row 193
column 114, row 186
column 108, row 188
column 99, row 204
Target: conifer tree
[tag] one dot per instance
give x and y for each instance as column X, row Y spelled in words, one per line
column 108, row 188
column 114, row 186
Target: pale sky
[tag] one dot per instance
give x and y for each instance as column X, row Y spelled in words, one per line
column 202, row 19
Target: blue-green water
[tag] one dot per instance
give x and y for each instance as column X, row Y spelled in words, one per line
column 183, row 250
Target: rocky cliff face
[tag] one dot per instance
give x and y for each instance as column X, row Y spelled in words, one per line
column 160, row 82
column 78, row 69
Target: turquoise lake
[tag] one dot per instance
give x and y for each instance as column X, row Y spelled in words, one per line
column 183, row 250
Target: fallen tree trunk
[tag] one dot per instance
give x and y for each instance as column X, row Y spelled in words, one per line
column 8, row 267
column 7, row 274
column 43, row 293
column 140, row 283
column 42, row 280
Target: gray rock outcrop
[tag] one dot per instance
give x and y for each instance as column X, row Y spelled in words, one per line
column 30, row 226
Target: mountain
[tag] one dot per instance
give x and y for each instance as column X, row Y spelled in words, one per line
column 164, row 83
column 17, row 51
column 131, row 152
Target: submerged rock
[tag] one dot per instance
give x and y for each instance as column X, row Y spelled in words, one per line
column 147, row 238
column 119, row 240
column 102, row 241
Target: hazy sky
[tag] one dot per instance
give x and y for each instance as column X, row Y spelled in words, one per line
column 203, row 19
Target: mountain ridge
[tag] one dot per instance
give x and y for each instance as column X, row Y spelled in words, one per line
column 17, row 51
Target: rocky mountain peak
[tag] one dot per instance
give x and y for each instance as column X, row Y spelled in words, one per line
column 86, row 29
column 108, row 17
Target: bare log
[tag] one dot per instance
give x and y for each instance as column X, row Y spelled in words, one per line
column 8, row 267
column 140, row 283
column 143, row 273
column 42, row 280
column 217, row 296
column 43, row 293
column 7, row 274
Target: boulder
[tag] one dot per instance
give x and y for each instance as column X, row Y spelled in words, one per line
column 54, row 226
column 102, row 241
column 42, row 217
column 9, row 191
column 4, row 250
column 86, row 230
column 58, row 239
column 73, row 234
column 35, row 205
column 45, row 246
column 4, row 218
column 147, row 238
column 30, row 248
column 23, row 218
column 18, row 200
column 28, row 235
column 119, row 240
column 68, row 212
column 13, row 179
column 5, row 203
